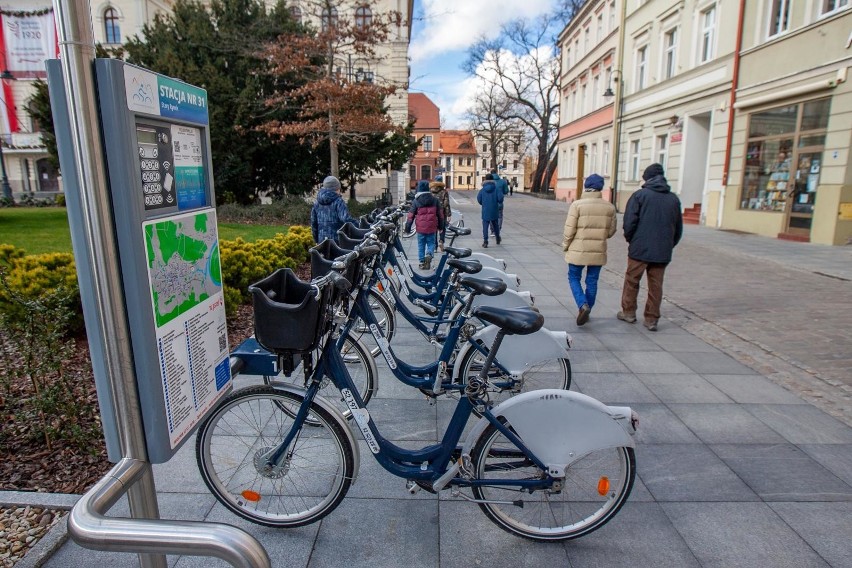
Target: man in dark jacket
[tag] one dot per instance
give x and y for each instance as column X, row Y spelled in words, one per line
column 653, row 226
column 491, row 200
column 503, row 187
column 329, row 213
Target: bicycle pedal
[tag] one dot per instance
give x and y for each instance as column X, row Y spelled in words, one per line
column 412, row 487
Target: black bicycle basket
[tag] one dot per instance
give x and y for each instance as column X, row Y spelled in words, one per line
column 288, row 317
column 322, row 259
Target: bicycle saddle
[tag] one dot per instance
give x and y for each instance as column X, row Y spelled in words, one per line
column 484, row 286
column 457, row 252
column 518, row 321
column 466, row 266
column 458, row 230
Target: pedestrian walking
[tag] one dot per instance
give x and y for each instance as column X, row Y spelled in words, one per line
column 491, row 200
column 512, row 186
column 428, row 217
column 439, row 190
column 653, row 226
column 329, row 212
column 590, row 222
column 503, row 188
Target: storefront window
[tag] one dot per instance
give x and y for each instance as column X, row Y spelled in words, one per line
column 783, row 159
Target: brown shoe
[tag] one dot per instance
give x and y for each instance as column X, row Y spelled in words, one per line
column 629, row 318
column 583, row 315
column 651, row 325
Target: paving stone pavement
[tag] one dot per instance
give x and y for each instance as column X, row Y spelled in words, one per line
column 735, row 467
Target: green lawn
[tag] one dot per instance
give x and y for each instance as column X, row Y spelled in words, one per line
column 45, row 229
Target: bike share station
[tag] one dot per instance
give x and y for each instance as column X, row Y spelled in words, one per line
column 159, row 345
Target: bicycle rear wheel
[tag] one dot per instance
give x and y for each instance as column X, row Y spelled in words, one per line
column 314, row 478
column 594, row 489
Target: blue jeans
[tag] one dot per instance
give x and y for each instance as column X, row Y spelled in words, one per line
column 575, row 275
column 495, row 228
column 425, row 245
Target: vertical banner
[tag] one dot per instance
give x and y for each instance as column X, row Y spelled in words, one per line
column 30, row 39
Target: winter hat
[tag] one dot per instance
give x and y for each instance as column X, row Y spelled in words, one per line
column 422, row 185
column 653, row 170
column 332, row 183
column 594, row 183
column 489, row 176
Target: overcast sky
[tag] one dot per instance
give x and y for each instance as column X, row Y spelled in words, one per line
column 441, row 33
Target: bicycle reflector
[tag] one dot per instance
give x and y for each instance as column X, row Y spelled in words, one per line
column 603, row 486
column 254, row 496
column 380, row 287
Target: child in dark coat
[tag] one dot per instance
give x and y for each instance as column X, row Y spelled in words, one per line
column 427, row 214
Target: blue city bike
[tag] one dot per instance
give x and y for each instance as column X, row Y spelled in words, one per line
column 545, row 465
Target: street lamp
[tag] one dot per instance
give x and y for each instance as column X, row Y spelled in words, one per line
column 617, row 78
column 7, row 189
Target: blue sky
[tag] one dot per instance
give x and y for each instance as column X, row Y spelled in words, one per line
column 442, row 31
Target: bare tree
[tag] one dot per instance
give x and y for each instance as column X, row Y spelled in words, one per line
column 488, row 120
column 520, row 68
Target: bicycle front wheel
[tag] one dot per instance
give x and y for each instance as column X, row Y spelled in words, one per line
column 551, row 374
column 594, row 489
column 313, row 478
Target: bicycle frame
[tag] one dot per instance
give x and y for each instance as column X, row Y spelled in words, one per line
column 426, row 464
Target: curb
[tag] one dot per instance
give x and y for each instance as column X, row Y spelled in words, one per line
column 54, row 538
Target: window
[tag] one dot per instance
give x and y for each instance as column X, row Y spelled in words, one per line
column 593, row 159
column 783, row 159
column 468, row 180
column 599, row 28
column 425, row 172
column 505, row 163
column 460, row 180
column 641, row 67
column 296, row 13
column 583, row 97
column 829, row 6
column 707, row 39
column 670, row 53
column 605, row 157
column 469, row 161
column 612, row 15
column 427, row 143
column 662, row 149
column 586, row 34
column 461, row 160
column 412, row 172
column 112, row 31
column 328, row 19
column 505, row 146
column 517, row 146
column 485, row 147
column 363, row 17
column 484, row 164
column 571, row 164
column 779, row 17
column 596, row 91
column 577, row 48
column 448, row 163
column 634, row 160
column 567, row 59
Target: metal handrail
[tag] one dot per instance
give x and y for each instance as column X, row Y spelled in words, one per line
column 88, row 526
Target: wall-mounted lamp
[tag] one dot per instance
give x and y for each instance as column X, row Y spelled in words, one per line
column 673, row 120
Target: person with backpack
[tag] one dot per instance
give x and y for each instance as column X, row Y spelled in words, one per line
column 439, row 190
column 428, row 217
column 329, row 212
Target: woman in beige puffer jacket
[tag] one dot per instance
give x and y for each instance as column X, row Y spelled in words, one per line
column 591, row 221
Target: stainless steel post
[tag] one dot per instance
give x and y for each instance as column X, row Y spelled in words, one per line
column 152, row 538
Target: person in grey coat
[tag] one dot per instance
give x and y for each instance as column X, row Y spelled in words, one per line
column 329, row 213
column 653, row 226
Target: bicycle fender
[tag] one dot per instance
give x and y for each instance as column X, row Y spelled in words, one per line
column 560, row 427
column 333, row 410
column 508, row 299
column 519, row 352
column 512, row 281
column 488, row 260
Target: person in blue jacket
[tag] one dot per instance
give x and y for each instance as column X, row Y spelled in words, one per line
column 491, row 200
column 329, row 213
column 502, row 186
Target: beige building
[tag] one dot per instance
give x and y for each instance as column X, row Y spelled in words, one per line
column 458, row 159
column 510, row 159
column 675, row 77
column 789, row 173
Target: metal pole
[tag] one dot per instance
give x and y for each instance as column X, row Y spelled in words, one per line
column 152, row 537
column 7, row 189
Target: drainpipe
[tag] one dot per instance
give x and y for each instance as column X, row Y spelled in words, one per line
column 618, row 107
column 735, row 80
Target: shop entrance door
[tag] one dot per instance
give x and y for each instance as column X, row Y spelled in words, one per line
column 802, row 195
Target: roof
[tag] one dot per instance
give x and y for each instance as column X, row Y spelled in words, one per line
column 426, row 114
column 457, row 142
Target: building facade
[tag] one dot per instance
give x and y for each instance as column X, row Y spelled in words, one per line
column 789, row 157
column 587, row 48
column 510, row 162
column 427, row 128
column 458, row 159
